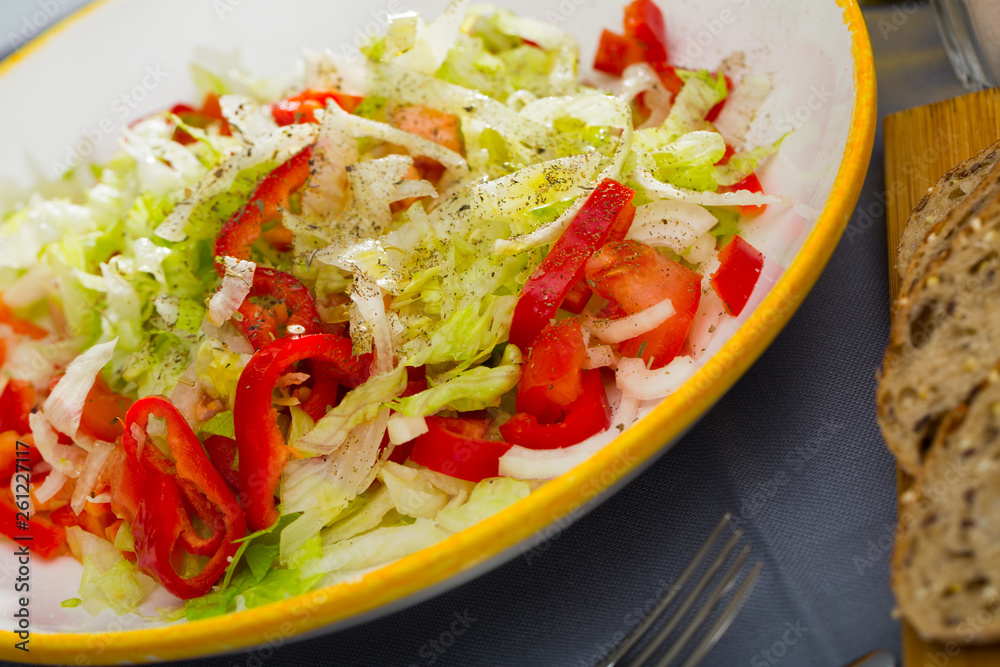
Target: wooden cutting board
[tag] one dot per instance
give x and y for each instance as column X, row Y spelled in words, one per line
column 921, row 144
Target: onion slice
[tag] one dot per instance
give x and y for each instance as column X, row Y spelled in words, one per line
column 88, row 475
column 624, row 328
column 637, row 381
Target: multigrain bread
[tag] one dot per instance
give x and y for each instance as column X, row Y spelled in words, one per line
column 941, row 199
column 946, row 565
column 945, row 335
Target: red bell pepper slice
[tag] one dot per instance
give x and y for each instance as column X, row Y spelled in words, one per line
column 616, row 52
column 644, row 24
column 222, row 452
column 751, row 183
column 261, row 326
column 271, row 195
column 457, row 446
column 714, row 112
column 168, row 492
column 644, row 40
column 42, row 536
column 552, row 377
column 302, row 108
column 579, row 295
column 16, row 403
column 635, row 276
column 739, row 268
column 608, row 207
column 588, row 415
column 262, row 450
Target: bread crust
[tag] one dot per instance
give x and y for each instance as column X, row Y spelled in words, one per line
column 945, row 333
column 941, row 199
column 946, row 562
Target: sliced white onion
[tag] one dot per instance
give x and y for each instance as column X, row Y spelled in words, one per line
column 741, row 107
column 52, row 485
column 705, row 324
column 64, row 406
column 673, row 224
column 88, row 475
column 641, row 78
column 186, row 395
column 624, row 328
column 403, row 429
column 236, row 285
column 407, row 188
column 635, row 380
column 702, row 250
column 68, row 459
column 769, row 275
column 600, row 356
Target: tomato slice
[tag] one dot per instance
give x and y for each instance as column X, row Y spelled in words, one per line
column 739, row 268
column 635, row 276
column 104, row 412
column 552, row 377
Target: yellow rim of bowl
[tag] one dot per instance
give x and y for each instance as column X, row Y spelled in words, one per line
column 564, row 497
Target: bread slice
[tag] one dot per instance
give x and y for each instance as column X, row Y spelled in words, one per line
column 940, row 200
column 945, row 337
column 946, row 565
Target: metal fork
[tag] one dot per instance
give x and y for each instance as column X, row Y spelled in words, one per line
column 711, row 636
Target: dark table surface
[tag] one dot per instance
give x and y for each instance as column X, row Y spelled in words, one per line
column 792, row 451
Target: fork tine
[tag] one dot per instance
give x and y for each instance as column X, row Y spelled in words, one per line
column 664, row 632
column 728, row 579
column 725, row 619
column 672, row 592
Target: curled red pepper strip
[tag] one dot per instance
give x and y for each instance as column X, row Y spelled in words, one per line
column 457, row 446
column 262, row 449
column 271, row 195
column 608, row 209
column 302, row 107
column 259, row 325
column 157, row 495
column 586, row 416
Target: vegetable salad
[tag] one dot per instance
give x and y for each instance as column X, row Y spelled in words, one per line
column 299, row 330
